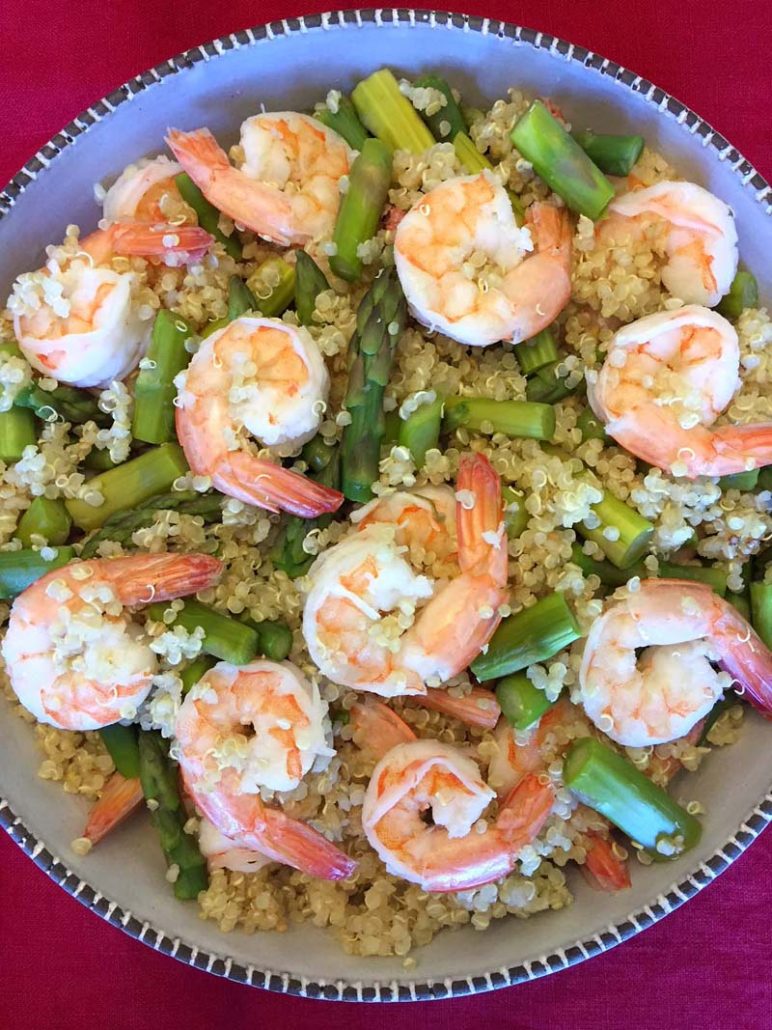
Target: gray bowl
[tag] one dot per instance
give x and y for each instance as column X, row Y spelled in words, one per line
column 290, row 65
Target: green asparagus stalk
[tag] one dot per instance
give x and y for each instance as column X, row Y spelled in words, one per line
column 100, row 460
column 473, row 161
column 448, row 121
column 521, row 703
column 275, row 638
column 129, row 485
column 120, row 527
column 389, row 115
column 310, row 281
column 515, row 515
column 123, row 747
column 761, row 611
column 46, row 518
column 17, row 431
column 764, row 481
column 272, row 286
column 392, row 426
column 614, row 155
column 154, row 390
column 241, row 300
column 214, row 326
column 608, row 574
column 160, row 785
column 561, row 162
column 288, row 553
column 207, row 214
column 743, row 481
column 318, row 453
column 344, row 121
column 743, row 293
column 380, row 321
column 712, row 577
column 742, row 602
column 65, row 403
column 546, row 387
column 590, row 427
column 606, row 782
column 361, row 208
column 513, row 418
column 20, row 569
column 634, row 531
column 224, row 637
column 421, row 430
column 530, row 636
column 192, row 673
column 536, row 353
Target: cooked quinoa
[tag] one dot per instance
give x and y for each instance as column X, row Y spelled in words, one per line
column 373, row 912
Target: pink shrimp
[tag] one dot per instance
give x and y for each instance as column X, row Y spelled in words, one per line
column 120, row 797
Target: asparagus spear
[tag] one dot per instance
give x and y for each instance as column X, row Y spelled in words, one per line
column 390, row 116
column 207, row 214
column 520, row 701
column 421, row 430
column 614, row 155
column 473, row 161
column 448, row 121
column 100, row 461
column 344, row 121
column 193, row 672
column 20, row 569
column 158, row 775
column 240, row 298
column 513, row 418
column 361, row 208
column 392, row 424
column 17, row 431
column 537, row 352
column 744, row 481
column 515, row 515
column 742, row 602
column 310, row 281
column 380, row 321
column 561, row 162
column 634, row 532
column 590, row 427
column 123, row 746
column 318, row 454
column 130, row 485
column 119, row 527
column 47, row 518
column 607, row 782
column 530, row 636
column 743, row 293
column 274, row 637
column 154, row 390
column 545, row 387
column 224, row 637
column 761, row 611
column 65, row 403
column 287, row 553
column 272, row 287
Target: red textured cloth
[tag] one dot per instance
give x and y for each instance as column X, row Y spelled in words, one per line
column 708, row 964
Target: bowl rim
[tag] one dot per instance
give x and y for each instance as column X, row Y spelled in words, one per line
column 418, row 989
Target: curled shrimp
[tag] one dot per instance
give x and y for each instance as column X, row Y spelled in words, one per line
column 80, row 320
column 684, row 629
column 224, row 765
column 264, row 377
column 287, row 189
column 465, row 266
column 457, row 852
column 665, row 380
column 75, row 658
column 701, row 238
column 364, row 593
column 146, row 192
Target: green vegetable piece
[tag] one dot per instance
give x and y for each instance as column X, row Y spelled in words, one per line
column 310, row 281
column 47, row 518
column 123, row 746
column 761, row 611
column 712, row 577
column 513, row 418
column 536, row 353
column 272, row 287
column 561, row 162
column 154, row 390
column 288, row 552
column 448, row 121
column 473, row 161
column 389, row 115
column 515, row 515
column 63, row 404
column 609, row 784
column 275, row 639
column 521, row 702
column 224, row 637
column 530, row 636
column 241, row 300
column 129, row 485
column 742, row 602
column 635, row 532
column 743, row 293
column 590, row 427
column 420, row 432
column 20, row 569
column 361, row 208
column 193, row 672
column 614, row 155
column 546, row 387
column 344, row 121
column 207, row 214
column 17, row 431
column 743, row 481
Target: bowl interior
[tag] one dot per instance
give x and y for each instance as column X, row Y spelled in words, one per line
column 290, row 71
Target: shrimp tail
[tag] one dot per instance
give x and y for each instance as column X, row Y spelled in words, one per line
column 199, row 153
column 274, row 488
column 525, row 810
column 735, row 446
column 603, row 868
column 119, row 799
column 747, row 659
column 140, row 240
column 377, row 728
column 477, row 708
column 160, row 577
column 477, row 551
column 295, row 844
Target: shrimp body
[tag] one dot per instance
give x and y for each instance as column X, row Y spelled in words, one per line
column 453, row 854
column 367, row 574
column 287, row 188
column 74, row 657
column 78, row 319
column 225, row 765
column 665, row 380
column 467, row 269
column 701, row 242
column 424, row 519
column 221, row 852
column 146, row 192
column 684, row 628
column 263, row 377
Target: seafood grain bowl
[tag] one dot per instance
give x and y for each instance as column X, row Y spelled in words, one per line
column 386, row 507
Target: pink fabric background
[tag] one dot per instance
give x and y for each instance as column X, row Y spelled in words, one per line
column 708, row 964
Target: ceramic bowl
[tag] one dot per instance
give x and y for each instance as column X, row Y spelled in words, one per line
column 291, row 65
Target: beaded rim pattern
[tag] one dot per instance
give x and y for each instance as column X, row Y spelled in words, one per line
column 418, row 989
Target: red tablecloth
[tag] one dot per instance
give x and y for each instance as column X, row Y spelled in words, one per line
column 708, row 964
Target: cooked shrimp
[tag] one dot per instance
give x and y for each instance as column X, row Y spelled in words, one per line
column 120, row 797
column 424, row 519
column 223, row 766
column 146, row 192
column 701, row 243
column 605, row 867
column 287, row 189
column 221, row 852
column 377, row 728
column 78, row 319
column 665, row 380
column 74, row 657
column 465, row 267
column 259, row 376
column 457, row 852
column 684, row 628
column 363, row 594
